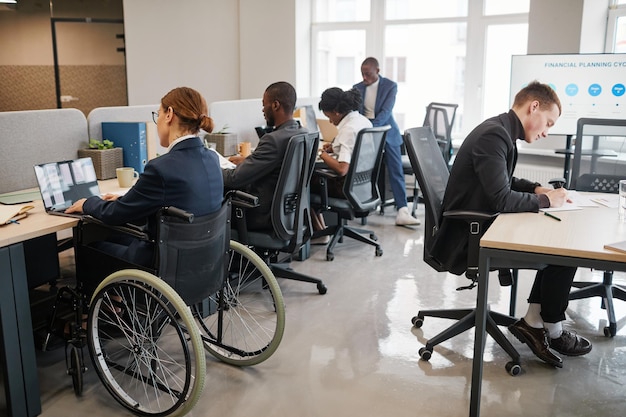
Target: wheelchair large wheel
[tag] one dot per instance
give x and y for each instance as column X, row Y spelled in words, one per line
column 243, row 323
column 145, row 345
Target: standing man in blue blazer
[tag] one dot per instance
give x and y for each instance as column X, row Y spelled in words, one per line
column 379, row 97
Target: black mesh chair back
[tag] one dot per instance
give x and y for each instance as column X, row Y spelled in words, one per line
column 361, row 182
column 290, row 208
column 440, row 117
column 591, row 172
column 593, row 140
column 193, row 251
column 431, row 171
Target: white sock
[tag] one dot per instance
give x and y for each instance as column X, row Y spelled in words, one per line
column 533, row 316
column 555, row 329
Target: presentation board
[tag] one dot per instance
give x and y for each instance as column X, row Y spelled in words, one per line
column 588, row 85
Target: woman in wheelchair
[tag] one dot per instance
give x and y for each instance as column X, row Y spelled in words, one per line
column 188, row 177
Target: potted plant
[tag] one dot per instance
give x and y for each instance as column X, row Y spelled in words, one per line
column 106, row 158
column 222, row 141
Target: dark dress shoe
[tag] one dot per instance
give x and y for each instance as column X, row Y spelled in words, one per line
column 537, row 341
column 571, row 344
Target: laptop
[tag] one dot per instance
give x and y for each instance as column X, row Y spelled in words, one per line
column 63, row 183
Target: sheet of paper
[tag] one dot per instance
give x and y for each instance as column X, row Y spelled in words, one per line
column 224, row 163
column 607, row 200
column 581, row 200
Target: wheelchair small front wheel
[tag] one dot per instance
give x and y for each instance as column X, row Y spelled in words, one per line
column 144, row 344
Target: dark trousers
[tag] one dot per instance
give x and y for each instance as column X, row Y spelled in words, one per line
column 551, row 289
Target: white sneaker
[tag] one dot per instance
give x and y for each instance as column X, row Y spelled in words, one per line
column 404, row 218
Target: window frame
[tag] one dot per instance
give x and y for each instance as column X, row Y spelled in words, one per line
column 615, row 12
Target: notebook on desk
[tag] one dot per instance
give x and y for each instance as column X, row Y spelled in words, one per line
column 63, row 183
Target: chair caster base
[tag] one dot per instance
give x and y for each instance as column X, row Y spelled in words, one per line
column 417, row 322
column 425, row 353
column 513, row 368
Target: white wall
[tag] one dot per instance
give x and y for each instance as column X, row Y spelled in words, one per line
column 227, row 50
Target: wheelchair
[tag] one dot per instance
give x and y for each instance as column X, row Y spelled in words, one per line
column 147, row 329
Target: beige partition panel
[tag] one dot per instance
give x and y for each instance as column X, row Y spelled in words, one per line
column 34, row 137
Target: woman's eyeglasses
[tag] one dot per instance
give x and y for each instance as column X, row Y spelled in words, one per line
column 155, row 116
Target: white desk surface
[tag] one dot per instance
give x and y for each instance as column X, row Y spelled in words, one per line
column 38, row 223
column 580, row 233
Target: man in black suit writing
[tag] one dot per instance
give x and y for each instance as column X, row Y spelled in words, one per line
column 482, row 179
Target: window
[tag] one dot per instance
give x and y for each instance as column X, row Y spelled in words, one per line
column 496, row 7
column 342, row 10
column 423, row 46
column 616, row 28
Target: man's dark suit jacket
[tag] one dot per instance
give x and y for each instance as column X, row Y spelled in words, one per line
column 383, row 109
column 482, row 179
column 188, row 177
column 258, row 173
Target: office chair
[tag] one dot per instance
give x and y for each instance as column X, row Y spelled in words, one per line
column 360, row 189
column 291, row 222
column 432, row 175
column 587, row 176
column 440, row 117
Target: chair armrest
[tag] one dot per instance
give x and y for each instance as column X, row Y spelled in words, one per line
column 242, row 199
column 326, row 172
column 478, row 221
column 471, row 215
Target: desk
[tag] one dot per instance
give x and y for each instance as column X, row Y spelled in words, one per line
column 577, row 240
column 17, row 345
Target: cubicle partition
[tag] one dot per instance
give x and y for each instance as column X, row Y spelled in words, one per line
column 118, row 114
column 37, row 136
column 242, row 116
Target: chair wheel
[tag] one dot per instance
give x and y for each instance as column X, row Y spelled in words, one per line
column 379, row 252
column 513, row 368
column 76, row 370
column 417, row 322
column 321, row 288
column 610, row 330
column 425, row 353
column 330, row 257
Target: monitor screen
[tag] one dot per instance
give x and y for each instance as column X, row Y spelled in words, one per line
column 588, row 85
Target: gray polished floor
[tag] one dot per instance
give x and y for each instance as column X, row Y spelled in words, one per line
column 353, row 351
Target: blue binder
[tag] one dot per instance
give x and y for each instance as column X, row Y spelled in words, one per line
column 130, row 136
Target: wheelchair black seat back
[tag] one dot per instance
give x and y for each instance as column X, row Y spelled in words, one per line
column 189, row 253
column 192, row 256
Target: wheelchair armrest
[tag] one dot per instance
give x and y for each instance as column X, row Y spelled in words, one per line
column 176, row 212
column 128, row 228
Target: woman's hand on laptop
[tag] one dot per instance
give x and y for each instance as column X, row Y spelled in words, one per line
column 77, row 207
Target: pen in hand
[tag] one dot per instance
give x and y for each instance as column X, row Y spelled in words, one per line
column 551, row 215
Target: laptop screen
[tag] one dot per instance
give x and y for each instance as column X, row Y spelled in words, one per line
column 62, row 183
